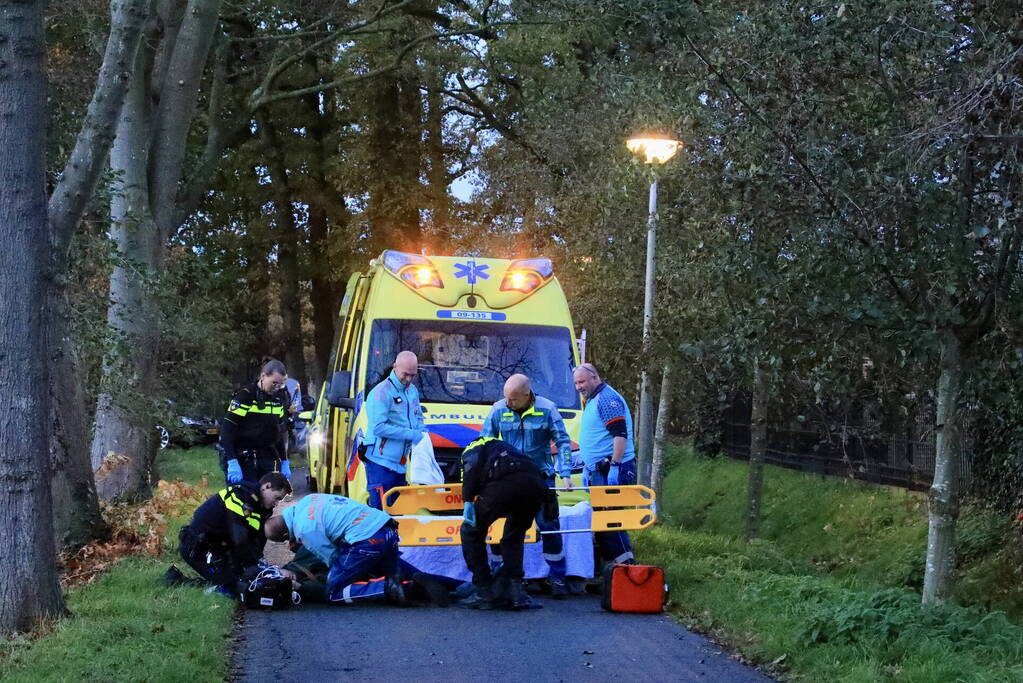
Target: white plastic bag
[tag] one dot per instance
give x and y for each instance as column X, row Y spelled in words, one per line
column 422, row 466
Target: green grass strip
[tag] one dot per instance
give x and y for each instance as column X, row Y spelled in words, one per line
column 126, row 626
column 827, row 594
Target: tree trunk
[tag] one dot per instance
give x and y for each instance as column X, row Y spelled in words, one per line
column 663, row 418
column 393, row 211
column 943, row 498
column 76, row 514
column 290, row 303
column 757, row 452
column 149, row 152
column 645, row 428
column 325, row 291
column 123, row 447
column 29, row 591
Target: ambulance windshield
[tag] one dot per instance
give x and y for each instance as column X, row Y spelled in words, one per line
column 469, row 361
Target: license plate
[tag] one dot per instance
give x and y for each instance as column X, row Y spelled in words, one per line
column 471, row 315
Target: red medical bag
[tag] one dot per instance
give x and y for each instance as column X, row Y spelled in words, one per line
column 633, row 588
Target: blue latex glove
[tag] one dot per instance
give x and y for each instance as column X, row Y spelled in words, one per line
column 286, row 468
column 469, row 514
column 614, row 475
column 234, row 472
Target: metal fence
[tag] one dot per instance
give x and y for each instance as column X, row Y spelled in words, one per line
column 843, row 452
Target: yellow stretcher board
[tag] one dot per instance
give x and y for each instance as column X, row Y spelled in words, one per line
column 612, row 512
column 430, row 530
column 410, row 500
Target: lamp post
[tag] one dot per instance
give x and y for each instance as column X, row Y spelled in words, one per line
column 653, row 150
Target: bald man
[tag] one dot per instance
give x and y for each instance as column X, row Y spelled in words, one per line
column 606, row 443
column 395, row 426
column 530, row 423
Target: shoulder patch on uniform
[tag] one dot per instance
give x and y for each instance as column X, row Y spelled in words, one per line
column 235, row 405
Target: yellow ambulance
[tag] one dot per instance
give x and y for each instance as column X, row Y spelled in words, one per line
column 472, row 322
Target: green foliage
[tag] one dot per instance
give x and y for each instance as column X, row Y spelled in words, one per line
column 822, row 595
column 894, row 617
column 864, row 535
column 772, row 617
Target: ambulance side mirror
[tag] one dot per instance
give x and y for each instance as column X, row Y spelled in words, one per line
column 339, row 392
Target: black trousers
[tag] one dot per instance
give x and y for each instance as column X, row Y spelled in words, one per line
column 517, row 497
column 254, row 464
column 212, row 561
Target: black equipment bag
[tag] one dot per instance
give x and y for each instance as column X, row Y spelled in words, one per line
column 269, row 590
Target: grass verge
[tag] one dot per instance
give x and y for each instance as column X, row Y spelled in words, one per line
column 828, row 593
column 124, row 625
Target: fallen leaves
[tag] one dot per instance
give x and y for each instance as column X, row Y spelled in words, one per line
column 135, row 529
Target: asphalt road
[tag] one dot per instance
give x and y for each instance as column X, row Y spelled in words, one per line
column 569, row 640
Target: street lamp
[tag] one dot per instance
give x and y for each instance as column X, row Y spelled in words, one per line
column 653, row 150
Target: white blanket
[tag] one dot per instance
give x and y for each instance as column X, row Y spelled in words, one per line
column 446, row 560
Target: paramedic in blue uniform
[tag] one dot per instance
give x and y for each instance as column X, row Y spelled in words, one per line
column 359, row 545
column 395, row 426
column 530, row 423
column 605, row 441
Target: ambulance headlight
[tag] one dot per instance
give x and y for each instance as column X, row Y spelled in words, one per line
column 525, row 275
column 414, row 270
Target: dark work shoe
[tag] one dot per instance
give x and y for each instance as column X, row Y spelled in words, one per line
column 576, row 586
column 433, row 587
column 518, row 598
column 481, row 598
column 463, row 591
column 394, row 591
column 559, row 588
column 173, row 577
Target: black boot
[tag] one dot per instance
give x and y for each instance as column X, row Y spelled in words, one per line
column 433, row 587
column 394, row 591
column 482, row 597
column 518, row 599
column 173, row 577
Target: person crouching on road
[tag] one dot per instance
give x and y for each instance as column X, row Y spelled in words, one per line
column 530, row 423
column 499, row 481
column 395, row 426
column 358, row 543
column 309, row 576
column 605, row 440
column 225, row 537
column 254, row 433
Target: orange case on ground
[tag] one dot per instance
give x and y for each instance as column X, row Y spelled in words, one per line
column 633, row 588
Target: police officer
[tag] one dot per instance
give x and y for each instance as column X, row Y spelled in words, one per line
column 499, row 481
column 225, row 536
column 395, row 426
column 530, row 423
column 605, row 440
column 253, row 434
column 357, row 543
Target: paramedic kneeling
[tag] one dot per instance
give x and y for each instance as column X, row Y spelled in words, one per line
column 358, row 543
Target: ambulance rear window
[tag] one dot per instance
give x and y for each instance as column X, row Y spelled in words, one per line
column 469, row 361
